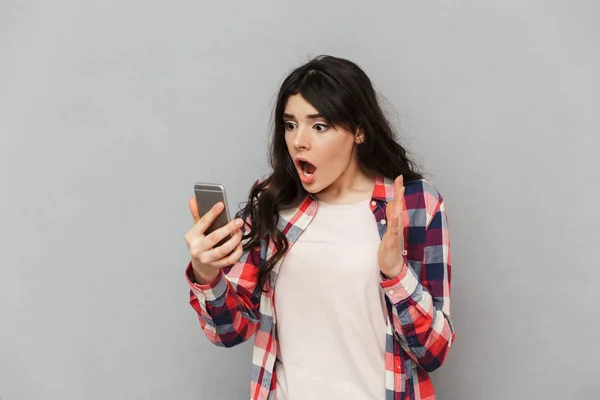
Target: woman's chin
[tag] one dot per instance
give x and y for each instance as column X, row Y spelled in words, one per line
column 313, row 188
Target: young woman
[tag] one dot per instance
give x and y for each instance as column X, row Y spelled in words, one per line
column 340, row 261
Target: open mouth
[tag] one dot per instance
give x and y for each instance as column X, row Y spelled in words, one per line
column 306, row 169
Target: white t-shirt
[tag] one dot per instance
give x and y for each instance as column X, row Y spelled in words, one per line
column 330, row 309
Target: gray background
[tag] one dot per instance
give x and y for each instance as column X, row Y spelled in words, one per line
column 110, row 111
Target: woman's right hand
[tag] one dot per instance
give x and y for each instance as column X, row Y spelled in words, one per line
column 206, row 260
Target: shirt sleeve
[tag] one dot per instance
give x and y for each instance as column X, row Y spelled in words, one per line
column 421, row 314
column 228, row 307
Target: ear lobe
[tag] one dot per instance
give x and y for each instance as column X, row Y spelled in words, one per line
column 359, row 137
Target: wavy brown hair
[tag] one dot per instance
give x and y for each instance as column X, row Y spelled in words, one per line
column 343, row 94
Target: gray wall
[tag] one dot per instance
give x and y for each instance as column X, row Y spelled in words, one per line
column 110, row 111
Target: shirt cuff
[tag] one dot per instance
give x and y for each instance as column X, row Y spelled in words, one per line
column 209, row 291
column 401, row 287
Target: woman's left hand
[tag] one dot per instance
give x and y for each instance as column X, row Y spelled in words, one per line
column 390, row 253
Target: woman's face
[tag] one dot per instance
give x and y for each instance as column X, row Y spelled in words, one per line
column 323, row 154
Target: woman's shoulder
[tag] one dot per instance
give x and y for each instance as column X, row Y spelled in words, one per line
column 422, row 201
column 418, row 188
column 422, row 187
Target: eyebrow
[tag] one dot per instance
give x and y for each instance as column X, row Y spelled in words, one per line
column 309, row 116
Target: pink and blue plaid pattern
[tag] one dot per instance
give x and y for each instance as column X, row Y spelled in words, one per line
column 232, row 309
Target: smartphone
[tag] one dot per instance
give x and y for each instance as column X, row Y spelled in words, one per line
column 207, row 195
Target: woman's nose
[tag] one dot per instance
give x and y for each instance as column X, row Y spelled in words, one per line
column 302, row 139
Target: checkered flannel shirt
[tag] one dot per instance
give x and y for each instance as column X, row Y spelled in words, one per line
column 419, row 334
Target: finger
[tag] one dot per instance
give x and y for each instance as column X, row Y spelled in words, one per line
column 230, row 259
column 194, row 209
column 388, row 209
column 392, row 221
column 226, row 248
column 398, row 196
column 203, row 223
column 399, row 203
column 223, row 232
column 389, row 212
column 394, row 208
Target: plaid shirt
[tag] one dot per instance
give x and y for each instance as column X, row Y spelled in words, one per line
column 419, row 335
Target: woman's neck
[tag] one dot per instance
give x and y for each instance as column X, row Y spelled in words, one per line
column 353, row 186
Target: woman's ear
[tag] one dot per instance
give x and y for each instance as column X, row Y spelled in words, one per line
column 359, row 136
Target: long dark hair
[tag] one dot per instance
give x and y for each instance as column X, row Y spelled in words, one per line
column 343, row 94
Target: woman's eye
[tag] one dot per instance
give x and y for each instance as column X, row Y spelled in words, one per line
column 289, row 126
column 321, row 127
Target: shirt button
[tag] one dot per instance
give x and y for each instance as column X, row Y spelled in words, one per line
column 383, row 222
column 391, row 292
column 373, row 203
